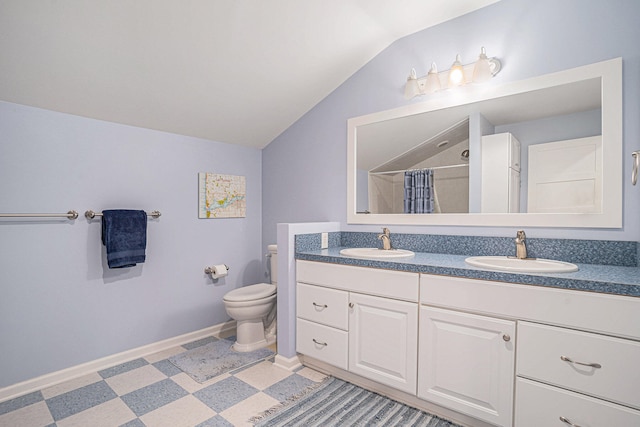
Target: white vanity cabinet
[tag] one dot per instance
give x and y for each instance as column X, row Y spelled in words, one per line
column 576, row 351
column 362, row 320
column 478, row 352
column 466, row 363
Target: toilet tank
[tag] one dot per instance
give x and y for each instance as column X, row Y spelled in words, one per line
column 273, row 263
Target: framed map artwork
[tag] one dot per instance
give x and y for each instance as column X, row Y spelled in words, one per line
column 221, row 196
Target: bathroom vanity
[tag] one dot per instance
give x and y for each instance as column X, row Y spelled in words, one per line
column 478, row 352
column 480, row 347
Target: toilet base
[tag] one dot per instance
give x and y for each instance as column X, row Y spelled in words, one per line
column 243, row 348
column 250, row 336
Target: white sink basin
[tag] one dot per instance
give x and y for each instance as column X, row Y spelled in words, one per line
column 509, row 264
column 375, row 253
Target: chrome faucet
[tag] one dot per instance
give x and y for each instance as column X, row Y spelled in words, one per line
column 386, row 239
column 521, row 245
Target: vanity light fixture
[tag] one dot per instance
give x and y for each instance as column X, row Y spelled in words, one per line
column 458, row 75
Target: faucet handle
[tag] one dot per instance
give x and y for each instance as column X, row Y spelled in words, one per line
column 520, row 235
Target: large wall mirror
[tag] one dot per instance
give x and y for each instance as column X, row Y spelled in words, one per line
column 541, row 152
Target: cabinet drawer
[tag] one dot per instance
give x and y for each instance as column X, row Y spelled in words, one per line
column 323, row 343
column 541, row 350
column 323, row 305
column 542, row 405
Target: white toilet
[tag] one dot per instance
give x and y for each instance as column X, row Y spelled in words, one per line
column 254, row 309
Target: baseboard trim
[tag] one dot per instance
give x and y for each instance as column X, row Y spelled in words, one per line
column 72, row 372
column 288, row 363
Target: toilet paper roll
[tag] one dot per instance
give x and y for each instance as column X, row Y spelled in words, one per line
column 219, row 270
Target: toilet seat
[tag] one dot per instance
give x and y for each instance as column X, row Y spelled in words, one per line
column 251, row 292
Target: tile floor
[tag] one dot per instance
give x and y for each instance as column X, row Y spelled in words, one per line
column 152, row 392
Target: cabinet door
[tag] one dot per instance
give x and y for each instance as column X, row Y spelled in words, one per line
column 514, row 191
column 383, row 340
column 466, row 363
column 500, row 163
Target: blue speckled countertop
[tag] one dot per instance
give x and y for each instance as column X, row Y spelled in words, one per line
column 610, row 279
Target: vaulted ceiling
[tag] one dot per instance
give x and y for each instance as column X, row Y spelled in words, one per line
column 238, row 71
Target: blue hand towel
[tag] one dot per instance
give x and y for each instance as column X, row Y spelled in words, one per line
column 124, row 234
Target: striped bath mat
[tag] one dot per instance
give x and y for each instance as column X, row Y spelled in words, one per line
column 338, row 403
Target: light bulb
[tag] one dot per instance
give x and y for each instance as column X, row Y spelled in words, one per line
column 456, row 73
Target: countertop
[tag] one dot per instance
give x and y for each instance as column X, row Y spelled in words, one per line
column 605, row 279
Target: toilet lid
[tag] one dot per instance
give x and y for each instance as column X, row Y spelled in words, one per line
column 251, row 292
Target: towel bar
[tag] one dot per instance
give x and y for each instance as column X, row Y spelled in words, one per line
column 91, row 214
column 69, row 215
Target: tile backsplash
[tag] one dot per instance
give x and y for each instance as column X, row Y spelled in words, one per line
column 603, row 252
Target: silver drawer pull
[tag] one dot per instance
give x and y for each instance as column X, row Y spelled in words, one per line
column 324, row 344
column 322, row 306
column 591, row 365
column 567, row 421
column 506, row 337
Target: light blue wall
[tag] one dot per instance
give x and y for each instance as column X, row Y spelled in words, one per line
column 305, row 167
column 59, row 304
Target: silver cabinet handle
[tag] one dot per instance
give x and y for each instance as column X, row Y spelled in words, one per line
column 324, row 344
column 567, row 421
column 591, row 365
column 636, row 166
column 506, row 337
column 323, row 306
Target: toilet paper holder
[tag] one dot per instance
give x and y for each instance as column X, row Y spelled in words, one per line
column 215, row 271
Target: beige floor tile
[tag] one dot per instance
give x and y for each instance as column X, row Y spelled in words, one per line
column 165, row 354
column 263, row 375
column 112, row 413
column 240, row 413
column 133, row 380
column 185, row 412
column 191, row 385
column 312, row 374
column 73, row 384
column 36, row 415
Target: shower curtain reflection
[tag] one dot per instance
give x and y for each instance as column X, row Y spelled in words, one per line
column 419, row 191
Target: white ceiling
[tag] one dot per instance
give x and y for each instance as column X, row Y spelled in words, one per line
column 235, row 71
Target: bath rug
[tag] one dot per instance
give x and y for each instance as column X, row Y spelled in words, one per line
column 213, row 359
column 338, row 403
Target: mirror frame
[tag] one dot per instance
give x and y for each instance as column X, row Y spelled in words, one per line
column 610, row 73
